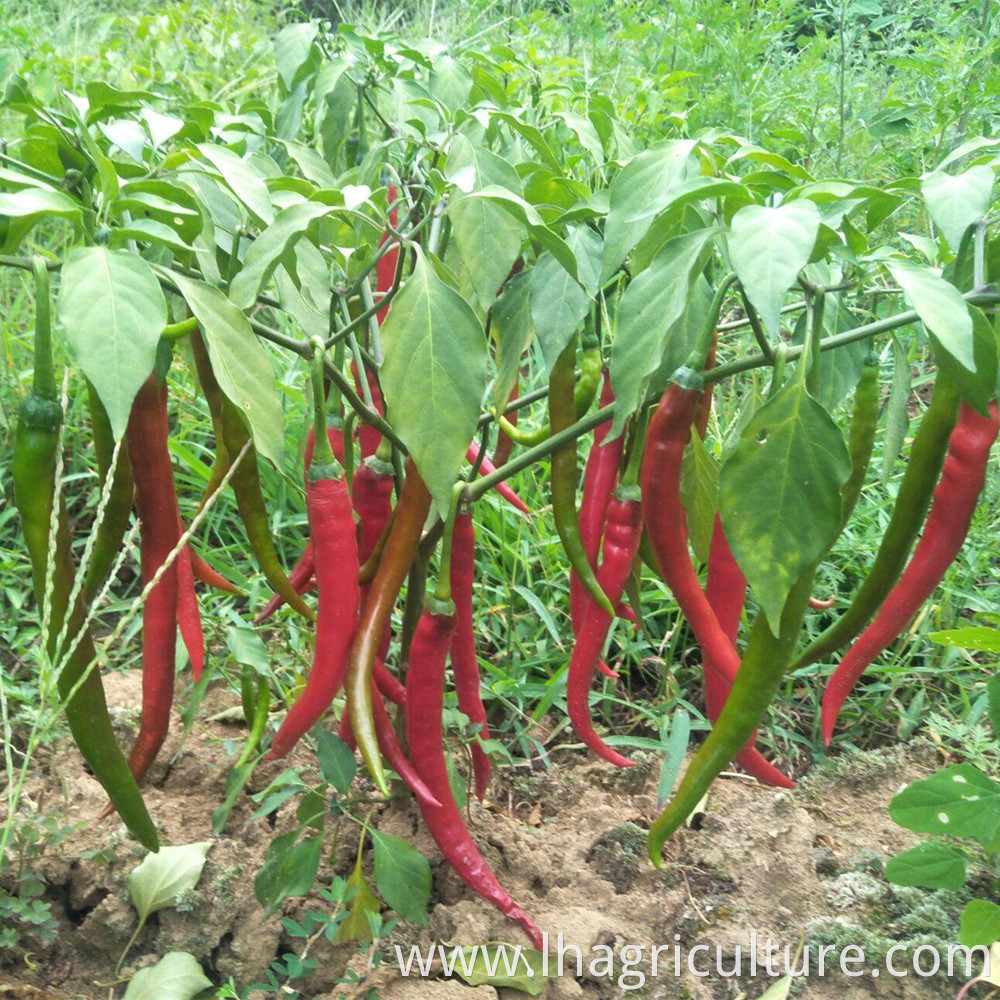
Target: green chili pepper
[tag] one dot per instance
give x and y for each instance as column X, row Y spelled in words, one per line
column 562, row 414
column 930, row 445
column 214, row 397
column 114, row 524
column 34, row 465
column 253, row 511
column 257, row 723
column 756, row 684
column 864, row 420
column 583, row 396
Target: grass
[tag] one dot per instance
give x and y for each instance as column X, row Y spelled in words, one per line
column 777, row 74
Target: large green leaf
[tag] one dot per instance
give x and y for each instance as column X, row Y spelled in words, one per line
column 495, row 965
column 512, row 330
column 955, row 201
column 30, row 205
column 980, row 926
column 768, row 247
column 941, row 309
column 652, row 307
column 587, row 245
column 162, row 877
column 402, row 876
column 779, row 493
column 272, row 248
column 931, row 865
column 958, row 801
column 290, row 869
column 240, row 363
column 978, row 386
column 293, row 49
column 244, row 182
column 433, row 376
column 488, row 237
column 177, row 976
column 639, row 192
column 114, row 312
column 558, row 306
column 335, row 759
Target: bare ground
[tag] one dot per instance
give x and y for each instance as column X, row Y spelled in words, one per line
column 568, row 843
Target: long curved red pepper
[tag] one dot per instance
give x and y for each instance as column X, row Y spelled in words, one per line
column 188, row 613
column 954, row 503
column 210, row 577
column 398, row 760
column 599, row 479
column 464, row 661
column 622, row 533
column 425, row 736
column 666, row 524
column 726, row 590
column 335, row 547
column 486, row 468
column 159, row 534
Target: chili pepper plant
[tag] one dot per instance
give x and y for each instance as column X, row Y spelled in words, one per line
column 449, row 263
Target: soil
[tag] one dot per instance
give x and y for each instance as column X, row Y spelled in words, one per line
column 567, row 842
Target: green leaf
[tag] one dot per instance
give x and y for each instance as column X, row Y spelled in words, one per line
column 336, row 760
column 30, row 205
column 488, row 241
column 676, row 746
column 700, row 495
column 588, row 247
column 240, row 362
column 980, row 924
column 558, row 306
column 402, row 877
column 768, row 247
column 897, row 414
column 293, row 47
column 649, row 316
column 157, row 882
column 639, row 192
column 993, row 693
column 433, row 376
column 489, row 965
column 959, row 801
column 512, row 330
column 355, row 926
column 237, row 174
column 781, row 990
column 177, row 976
column 978, row 387
column 975, row 637
column 272, row 248
column 931, row 865
column 779, row 493
column 113, row 311
column 956, row 201
column 290, row 869
column 248, row 649
column 940, row 307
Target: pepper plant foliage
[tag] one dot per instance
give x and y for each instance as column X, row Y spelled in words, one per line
column 518, row 217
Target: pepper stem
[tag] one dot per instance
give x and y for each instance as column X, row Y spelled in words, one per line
column 637, row 436
column 699, row 353
column 442, row 590
column 44, row 383
column 322, row 452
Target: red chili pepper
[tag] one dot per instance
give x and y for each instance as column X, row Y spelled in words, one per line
column 464, row 661
column 210, row 577
column 335, row 548
column 954, row 503
column 159, row 533
column 188, row 613
column 621, row 543
column 369, row 437
column 486, row 468
column 726, row 590
column 425, row 736
column 385, row 269
column 393, row 753
column 599, row 480
column 666, row 525
column 388, row 684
